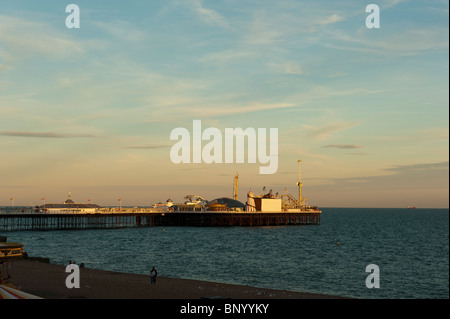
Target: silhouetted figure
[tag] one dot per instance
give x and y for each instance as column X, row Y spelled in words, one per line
column 153, row 274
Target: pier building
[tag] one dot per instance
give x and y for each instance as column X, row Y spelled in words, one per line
column 68, row 206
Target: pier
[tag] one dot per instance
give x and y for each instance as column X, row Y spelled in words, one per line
column 112, row 220
column 259, row 210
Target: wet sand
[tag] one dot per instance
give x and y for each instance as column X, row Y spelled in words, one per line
column 48, row 281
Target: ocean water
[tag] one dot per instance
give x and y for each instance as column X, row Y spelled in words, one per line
column 410, row 247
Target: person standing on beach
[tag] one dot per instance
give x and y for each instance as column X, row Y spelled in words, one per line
column 153, row 275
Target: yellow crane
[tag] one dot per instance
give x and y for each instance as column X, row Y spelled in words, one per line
column 299, row 185
column 235, row 187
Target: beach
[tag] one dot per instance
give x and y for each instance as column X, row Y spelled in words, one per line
column 49, row 281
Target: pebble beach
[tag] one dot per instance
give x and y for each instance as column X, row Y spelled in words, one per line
column 49, row 282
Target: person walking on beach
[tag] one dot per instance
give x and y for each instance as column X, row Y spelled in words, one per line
column 153, row 275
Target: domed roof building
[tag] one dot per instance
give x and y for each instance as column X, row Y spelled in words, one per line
column 226, row 203
column 69, row 200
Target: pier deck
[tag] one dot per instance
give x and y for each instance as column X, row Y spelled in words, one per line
column 39, row 221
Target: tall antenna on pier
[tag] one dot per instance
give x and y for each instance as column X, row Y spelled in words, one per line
column 235, row 186
column 299, row 185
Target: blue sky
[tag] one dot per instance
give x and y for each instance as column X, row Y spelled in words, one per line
column 90, row 110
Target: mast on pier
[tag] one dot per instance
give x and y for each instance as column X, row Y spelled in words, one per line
column 235, row 186
column 299, row 185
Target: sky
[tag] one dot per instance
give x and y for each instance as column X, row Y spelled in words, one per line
column 90, row 110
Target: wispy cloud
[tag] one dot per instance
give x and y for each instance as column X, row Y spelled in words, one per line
column 392, row 3
column 398, row 43
column 22, row 38
column 122, row 30
column 357, row 154
column 292, row 68
column 151, row 147
column 45, row 134
column 208, row 16
column 420, row 167
column 428, row 172
column 321, row 132
column 343, row 146
column 218, row 109
column 227, row 55
column 262, row 30
column 331, row 19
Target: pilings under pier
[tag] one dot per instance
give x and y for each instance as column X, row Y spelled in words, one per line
column 11, row 222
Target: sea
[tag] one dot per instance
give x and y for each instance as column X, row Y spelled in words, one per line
column 405, row 251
